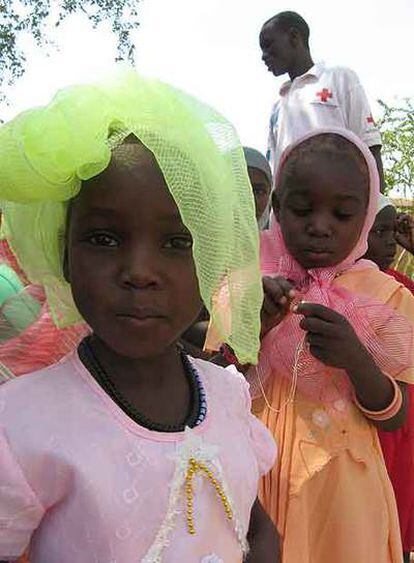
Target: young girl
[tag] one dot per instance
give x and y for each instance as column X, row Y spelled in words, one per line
column 328, row 370
column 128, row 197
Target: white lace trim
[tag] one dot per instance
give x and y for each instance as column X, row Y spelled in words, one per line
column 193, row 446
column 213, row 558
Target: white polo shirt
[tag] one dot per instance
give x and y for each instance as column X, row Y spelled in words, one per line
column 322, row 97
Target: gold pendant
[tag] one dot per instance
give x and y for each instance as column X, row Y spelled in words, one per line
column 194, row 467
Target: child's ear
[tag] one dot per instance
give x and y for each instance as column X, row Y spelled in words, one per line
column 276, row 205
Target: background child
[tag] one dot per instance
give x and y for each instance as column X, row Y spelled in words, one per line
column 389, row 228
column 397, row 446
column 327, row 368
column 128, row 450
column 260, row 177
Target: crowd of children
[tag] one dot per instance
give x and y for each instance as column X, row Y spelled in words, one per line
column 130, row 221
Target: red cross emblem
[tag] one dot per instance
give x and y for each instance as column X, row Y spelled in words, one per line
column 324, row 95
column 370, row 120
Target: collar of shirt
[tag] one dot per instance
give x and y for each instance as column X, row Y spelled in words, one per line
column 315, row 71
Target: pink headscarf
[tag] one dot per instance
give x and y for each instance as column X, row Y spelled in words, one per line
column 274, row 255
column 384, row 333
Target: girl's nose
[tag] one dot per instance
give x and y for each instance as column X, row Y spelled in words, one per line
column 319, row 227
column 140, row 268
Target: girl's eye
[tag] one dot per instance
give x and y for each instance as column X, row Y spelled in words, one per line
column 343, row 216
column 301, row 211
column 382, row 231
column 103, row 239
column 179, row 243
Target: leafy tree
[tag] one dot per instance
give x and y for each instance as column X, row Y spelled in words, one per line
column 397, row 128
column 34, row 17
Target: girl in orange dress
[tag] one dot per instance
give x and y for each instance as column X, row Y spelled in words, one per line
column 335, row 359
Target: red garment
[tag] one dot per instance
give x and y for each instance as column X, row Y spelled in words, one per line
column 409, row 284
column 398, row 450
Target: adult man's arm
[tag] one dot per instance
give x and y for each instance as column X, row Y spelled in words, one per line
column 359, row 118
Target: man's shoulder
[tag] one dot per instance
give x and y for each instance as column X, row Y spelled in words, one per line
column 339, row 72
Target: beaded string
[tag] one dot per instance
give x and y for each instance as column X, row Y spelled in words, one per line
column 195, row 417
column 292, row 390
column 194, row 467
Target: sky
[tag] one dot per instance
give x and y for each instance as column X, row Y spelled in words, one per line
column 210, row 49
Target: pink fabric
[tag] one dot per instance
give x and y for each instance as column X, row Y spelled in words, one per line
column 82, row 482
column 6, row 255
column 381, row 330
column 46, row 342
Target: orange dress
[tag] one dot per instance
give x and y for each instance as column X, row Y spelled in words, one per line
column 329, row 494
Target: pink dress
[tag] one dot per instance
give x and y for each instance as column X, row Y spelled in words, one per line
column 81, row 482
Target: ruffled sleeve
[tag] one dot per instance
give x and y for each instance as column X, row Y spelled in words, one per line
column 261, row 439
column 20, row 510
column 263, row 444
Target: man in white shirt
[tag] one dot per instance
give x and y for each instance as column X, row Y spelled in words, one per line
column 316, row 95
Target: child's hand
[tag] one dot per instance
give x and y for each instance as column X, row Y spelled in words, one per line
column 405, row 231
column 331, row 338
column 278, row 295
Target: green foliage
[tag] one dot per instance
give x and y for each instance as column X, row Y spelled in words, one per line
column 397, row 129
column 34, row 17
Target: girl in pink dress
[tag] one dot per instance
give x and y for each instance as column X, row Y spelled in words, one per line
column 127, row 450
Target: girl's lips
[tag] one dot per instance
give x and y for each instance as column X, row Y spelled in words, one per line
column 141, row 313
column 143, row 322
column 317, row 252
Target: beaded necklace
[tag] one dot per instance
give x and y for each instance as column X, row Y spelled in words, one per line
column 198, row 403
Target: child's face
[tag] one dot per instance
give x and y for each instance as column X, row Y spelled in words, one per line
column 129, row 258
column 382, row 245
column 261, row 190
column 321, row 210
